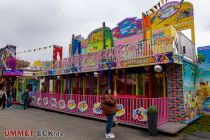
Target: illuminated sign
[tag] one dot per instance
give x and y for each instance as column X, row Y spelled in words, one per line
column 168, row 10
column 100, row 39
column 12, row 72
column 127, row 27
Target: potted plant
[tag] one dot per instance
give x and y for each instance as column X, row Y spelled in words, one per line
column 152, row 120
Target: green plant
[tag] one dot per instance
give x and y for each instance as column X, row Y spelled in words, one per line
column 152, row 110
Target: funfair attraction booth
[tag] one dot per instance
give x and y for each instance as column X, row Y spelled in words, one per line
column 144, row 62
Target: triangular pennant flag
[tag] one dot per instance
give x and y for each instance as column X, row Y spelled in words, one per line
column 181, row 1
column 147, row 13
column 162, row 2
column 155, row 7
column 34, row 50
column 159, row 5
column 152, row 10
column 166, row 1
column 49, row 46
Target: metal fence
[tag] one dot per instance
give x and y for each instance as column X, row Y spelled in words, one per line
column 71, row 103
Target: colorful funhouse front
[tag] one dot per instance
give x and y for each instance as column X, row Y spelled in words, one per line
column 145, row 62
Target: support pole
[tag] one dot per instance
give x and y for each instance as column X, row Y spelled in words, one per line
column 137, row 84
column 109, row 79
column 164, row 84
column 143, row 83
column 150, row 87
column 98, row 83
column 61, row 86
column 69, row 86
column 83, row 85
column 115, row 84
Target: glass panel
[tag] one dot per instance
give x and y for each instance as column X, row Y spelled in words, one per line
column 146, row 84
column 51, row 86
column 64, row 86
column 140, row 83
column 131, row 84
column 158, row 85
column 74, row 85
column 29, row 87
column 80, row 84
column 94, row 86
column 56, row 86
column 120, row 81
column 87, row 85
column 102, row 85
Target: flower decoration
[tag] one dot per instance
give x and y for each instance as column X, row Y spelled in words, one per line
column 45, row 101
column 39, row 101
column 62, row 104
column 82, row 106
column 121, row 111
column 33, row 99
column 53, row 102
column 71, row 104
column 140, row 114
column 97, row 109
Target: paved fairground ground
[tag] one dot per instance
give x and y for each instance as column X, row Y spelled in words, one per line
column 65, row 127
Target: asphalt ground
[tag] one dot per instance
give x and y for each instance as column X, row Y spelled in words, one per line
column 49, row 125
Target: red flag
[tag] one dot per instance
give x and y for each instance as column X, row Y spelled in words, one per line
column 57, row 50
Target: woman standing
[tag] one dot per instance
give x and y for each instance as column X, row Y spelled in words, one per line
column 3, row 97
column 109, row 108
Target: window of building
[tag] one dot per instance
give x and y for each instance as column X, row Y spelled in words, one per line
column 131, row 84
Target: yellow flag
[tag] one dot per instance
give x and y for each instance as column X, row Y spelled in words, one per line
column 37, row 63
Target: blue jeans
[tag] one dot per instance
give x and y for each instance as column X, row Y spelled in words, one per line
column 9, row 102
column 109, row 123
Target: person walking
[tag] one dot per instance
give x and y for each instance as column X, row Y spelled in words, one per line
column 109, row 108
column 25, row 97
column 9, row 97
column 3, row 97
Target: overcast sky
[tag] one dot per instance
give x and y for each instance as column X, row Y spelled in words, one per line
column 32, row 24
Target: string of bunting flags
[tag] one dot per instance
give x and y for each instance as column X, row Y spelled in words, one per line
column 34, row 50
column 158, row 6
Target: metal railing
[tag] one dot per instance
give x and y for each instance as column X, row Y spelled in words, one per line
column 69, row 103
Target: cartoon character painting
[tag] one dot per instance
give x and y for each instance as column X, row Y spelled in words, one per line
column 71, row 104
column 45, row 101
column 62, row 104
column 82, row 106
column 204, row 89
column 206, row 106
column 140, row 114
column 96, row 108
column 198, row 102
column 53, row 102
column 121, row 111
column 191, row 104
